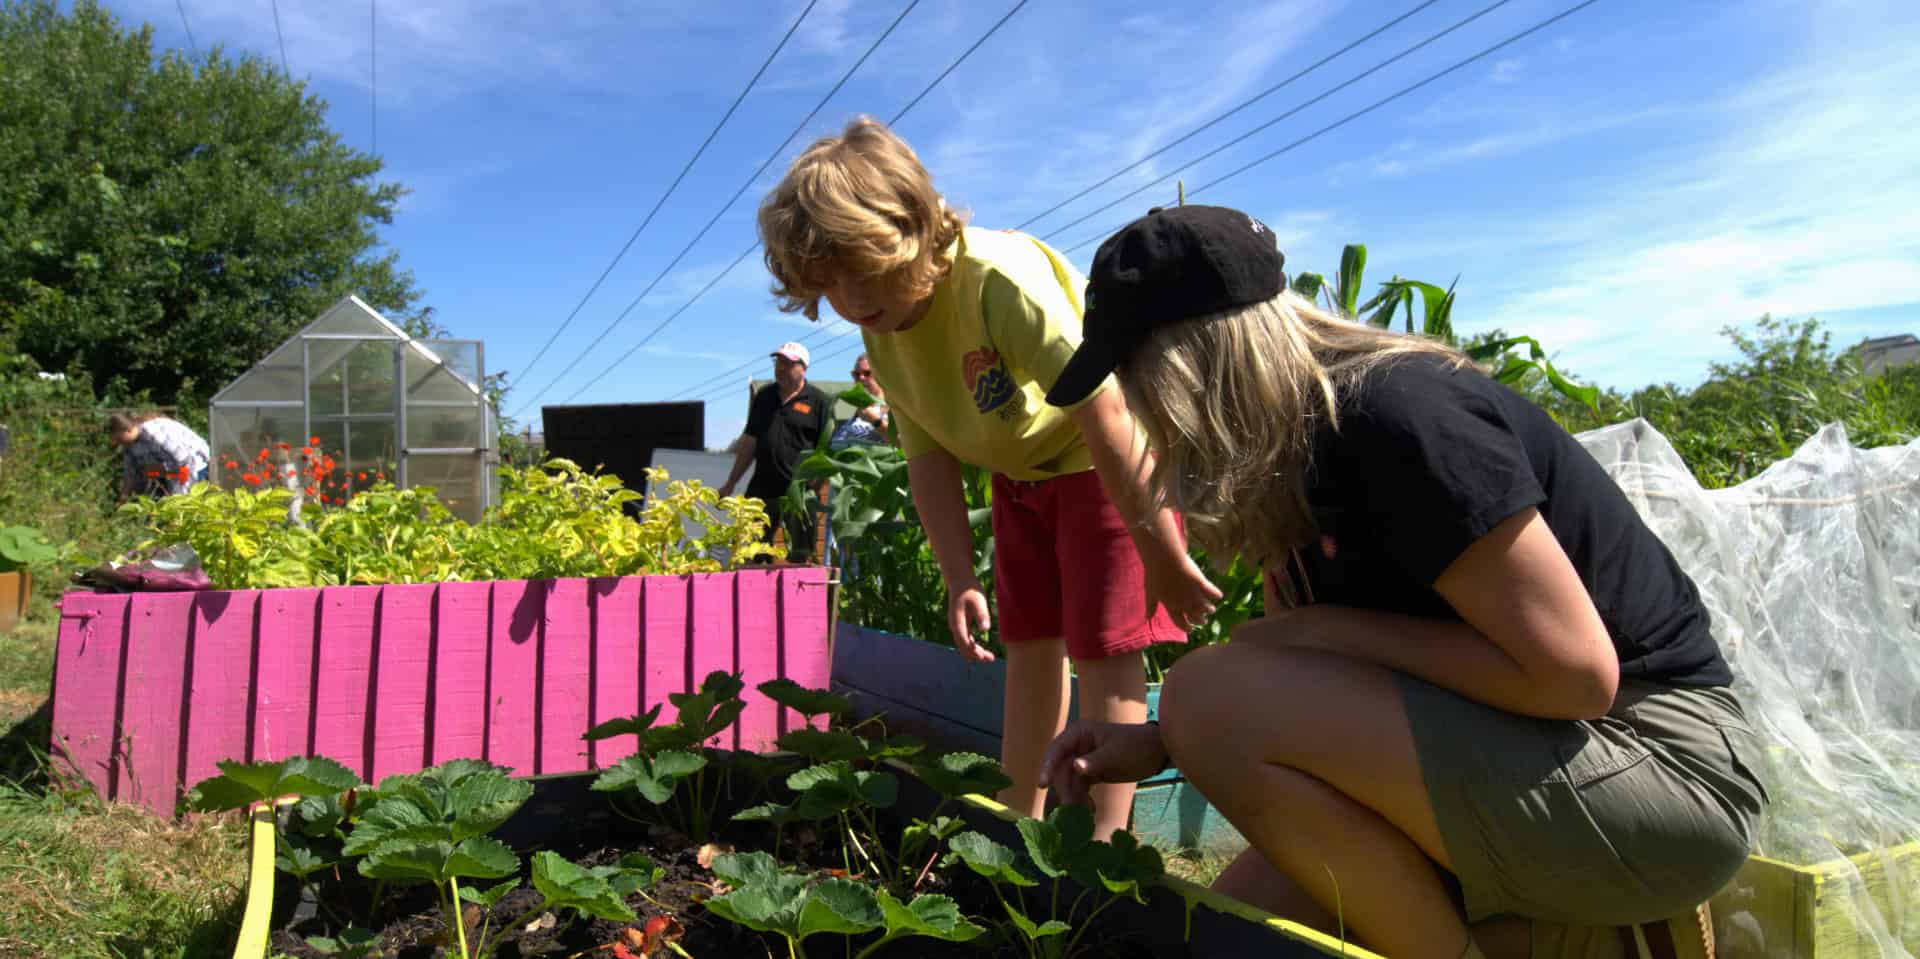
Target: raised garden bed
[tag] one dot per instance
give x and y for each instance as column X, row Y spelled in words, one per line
column 1779, row 910
column 933, row 692
column 879, row 849
column 151, row 689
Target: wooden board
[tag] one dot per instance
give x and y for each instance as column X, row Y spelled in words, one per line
column 152, row 690
column 930, row 691
column 1779, row 910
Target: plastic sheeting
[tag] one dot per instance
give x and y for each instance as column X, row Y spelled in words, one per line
column 1812, row 573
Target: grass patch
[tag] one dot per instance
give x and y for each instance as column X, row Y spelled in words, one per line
column 83, row 878
column 1197, row 866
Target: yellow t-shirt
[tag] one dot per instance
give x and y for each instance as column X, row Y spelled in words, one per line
column 972, row 376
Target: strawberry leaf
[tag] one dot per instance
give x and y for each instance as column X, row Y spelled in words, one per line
column 565, row 885
column 807, row 702
column 242, row 784
column 958, row 774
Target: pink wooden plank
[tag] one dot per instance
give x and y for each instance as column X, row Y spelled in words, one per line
column 663, row 641
column 343, row 692
column 283, row 680
column 86, row 685
column 712, row 637
column 566, row 677
column 804, row 655
column 616, row 663
column 460, row 672
column 514, row 669
column 222, row 678
column 757, row 650
column 155, row 688
column 402, row 657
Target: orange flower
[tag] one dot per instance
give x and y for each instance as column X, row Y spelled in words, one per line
column 184, row 473
column 263, row 452
column 363, row 476
column 233, row 464
column 314, row 441
column 311, row 491
column 283, row 446
column 251, row 479
column 379, row 476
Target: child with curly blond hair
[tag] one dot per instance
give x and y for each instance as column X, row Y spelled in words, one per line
column 969, row 328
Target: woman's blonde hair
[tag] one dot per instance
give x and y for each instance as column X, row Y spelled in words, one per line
column 1231, row 403
column 859, row 202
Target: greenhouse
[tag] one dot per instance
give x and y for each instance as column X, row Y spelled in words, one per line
column 351, row 400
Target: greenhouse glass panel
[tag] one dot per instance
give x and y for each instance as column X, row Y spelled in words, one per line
column 443, row 427
column 341, row 396
column 432, row 381
column 456, row 477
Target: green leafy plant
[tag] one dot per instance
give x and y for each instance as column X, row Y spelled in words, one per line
column 243, row 538
column 1059, row 848
column 22, row 547
column 847, row 785
column 767, row 898
column 676, row 752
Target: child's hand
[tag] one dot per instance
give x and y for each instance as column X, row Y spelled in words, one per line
column 1177, row 583
column 966, row 607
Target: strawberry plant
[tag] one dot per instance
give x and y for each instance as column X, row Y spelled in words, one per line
column 1060, row 847
column 846, row 785
column 675, row 752
column 768, row 898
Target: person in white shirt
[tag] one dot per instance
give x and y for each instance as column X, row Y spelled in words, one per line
column 160, row 455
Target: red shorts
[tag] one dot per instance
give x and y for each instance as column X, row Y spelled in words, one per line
column 1064, row 567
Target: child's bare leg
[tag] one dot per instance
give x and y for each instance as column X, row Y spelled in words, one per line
column 1114, row 690
column 1035, row 712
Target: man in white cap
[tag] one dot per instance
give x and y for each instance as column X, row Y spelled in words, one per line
column 784, row 423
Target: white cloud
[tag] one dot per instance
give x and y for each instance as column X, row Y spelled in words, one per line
column 1805, row 204
column 1506, row 71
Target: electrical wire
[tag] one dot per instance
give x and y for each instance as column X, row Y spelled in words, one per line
column 669, row 192
column 1350, row 81
column 1190, row 134
column 282, row 38
column 894, row 120
column 744, row 185
column 1363, row 111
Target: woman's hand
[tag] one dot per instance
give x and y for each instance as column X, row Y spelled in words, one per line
column 1089, row 753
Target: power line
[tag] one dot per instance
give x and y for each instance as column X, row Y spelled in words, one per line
column 373, row 74
column 894, row 120
column 181, row 6
column 813, row 334
column 1363, row 111
column 1190, row 134
column 748, row 182
column 684, row 170
column 282, row 38
column 1483, row 11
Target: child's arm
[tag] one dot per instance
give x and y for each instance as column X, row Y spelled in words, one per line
column 934, row 477
column 1124, row 463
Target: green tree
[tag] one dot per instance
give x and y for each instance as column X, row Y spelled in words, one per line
column 165, row 223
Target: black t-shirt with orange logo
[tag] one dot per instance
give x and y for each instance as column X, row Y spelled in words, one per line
column 784, row 433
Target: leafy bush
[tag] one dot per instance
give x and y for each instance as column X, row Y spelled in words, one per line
column 553, row 520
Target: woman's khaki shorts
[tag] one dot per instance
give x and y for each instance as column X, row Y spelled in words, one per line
column 1639, row 815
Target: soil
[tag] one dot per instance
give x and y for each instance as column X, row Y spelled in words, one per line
column 413, row 927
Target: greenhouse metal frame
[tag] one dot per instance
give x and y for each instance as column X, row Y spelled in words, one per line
column 354, row 389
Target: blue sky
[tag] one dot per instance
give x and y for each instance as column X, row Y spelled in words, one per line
column 1621, row 184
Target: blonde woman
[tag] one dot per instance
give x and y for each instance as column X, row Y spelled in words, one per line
column 1485, row 695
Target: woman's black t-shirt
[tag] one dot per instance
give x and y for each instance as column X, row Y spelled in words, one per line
column 1428, row 458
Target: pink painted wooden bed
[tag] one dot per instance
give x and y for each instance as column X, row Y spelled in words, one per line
column 150, row 690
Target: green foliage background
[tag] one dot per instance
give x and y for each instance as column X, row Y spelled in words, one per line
column 164, row 222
